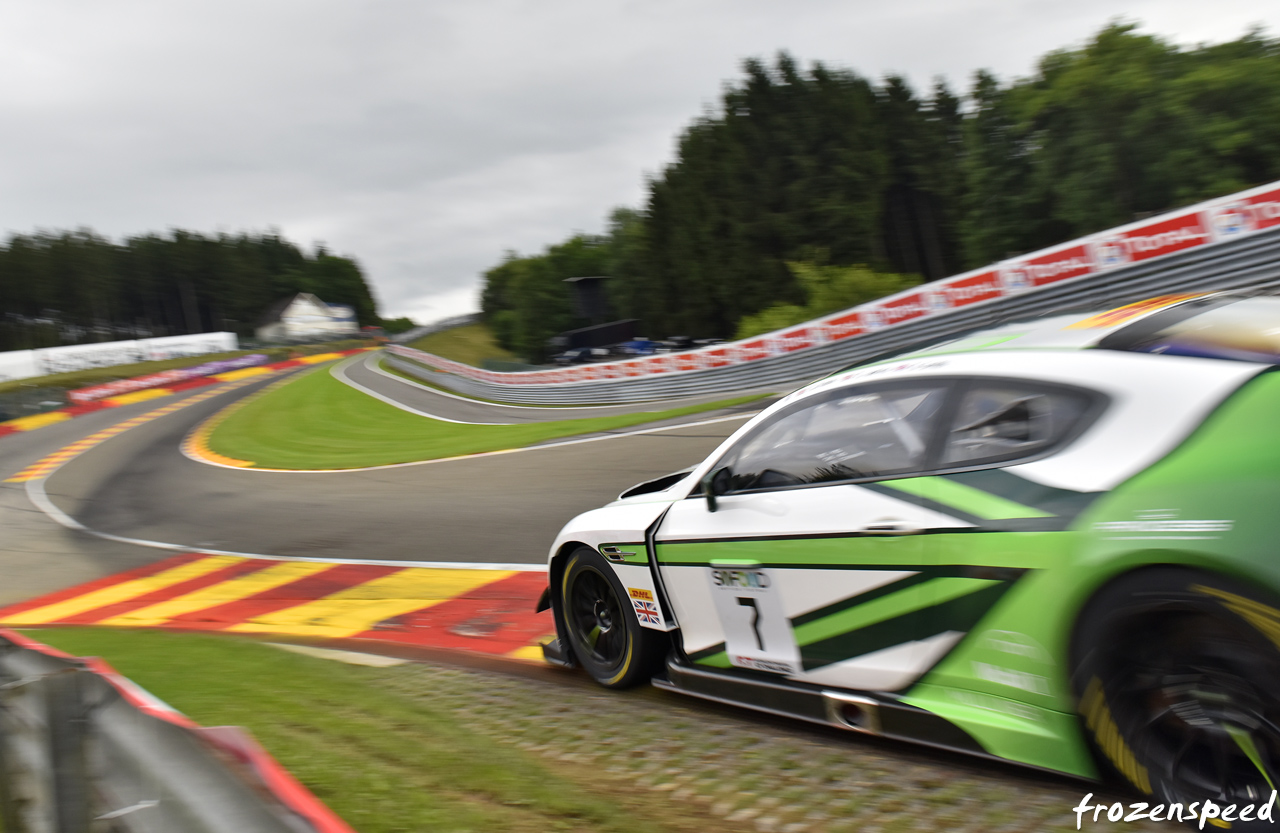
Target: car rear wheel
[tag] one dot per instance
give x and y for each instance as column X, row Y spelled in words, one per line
column 603, row 631
column 1177, row 677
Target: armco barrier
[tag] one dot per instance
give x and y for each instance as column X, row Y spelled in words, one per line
column 80, row 744
column 1227, row 243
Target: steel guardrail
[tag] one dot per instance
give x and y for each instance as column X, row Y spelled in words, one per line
column 82, row 748
column 1250, row 262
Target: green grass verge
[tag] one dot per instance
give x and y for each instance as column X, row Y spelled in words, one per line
column 100, row 375
column 316, row 422
column 383, row 761
column 470, row 344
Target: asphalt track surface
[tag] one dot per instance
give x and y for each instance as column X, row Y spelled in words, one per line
column 503, row 508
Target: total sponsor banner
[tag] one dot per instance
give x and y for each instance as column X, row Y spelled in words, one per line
column 1165, row 237
column 165, row 377
column 1210, row 223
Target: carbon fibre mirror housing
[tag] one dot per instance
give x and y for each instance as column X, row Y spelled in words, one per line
column 714, row 484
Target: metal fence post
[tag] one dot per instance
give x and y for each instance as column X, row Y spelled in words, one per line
column 67, row 732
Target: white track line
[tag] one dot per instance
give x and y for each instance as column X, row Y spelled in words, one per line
column 338, row 371
column 40, row 498
column 372, row 360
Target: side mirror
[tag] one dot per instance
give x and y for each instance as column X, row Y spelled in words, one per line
column 714, row 484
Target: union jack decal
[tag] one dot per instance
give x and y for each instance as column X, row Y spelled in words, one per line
column 647, row 612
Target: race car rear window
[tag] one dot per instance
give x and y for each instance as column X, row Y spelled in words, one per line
column 999, row 422
column 1217, row 327
column 847, row 435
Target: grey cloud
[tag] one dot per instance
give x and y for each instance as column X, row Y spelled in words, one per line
column 424, row 138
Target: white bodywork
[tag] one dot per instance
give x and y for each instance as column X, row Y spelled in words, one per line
column 1154, row 403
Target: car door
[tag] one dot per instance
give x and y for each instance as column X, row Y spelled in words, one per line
column 809, row 564
column 999, row 439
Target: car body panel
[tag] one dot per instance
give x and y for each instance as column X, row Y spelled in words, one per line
column 623, row 525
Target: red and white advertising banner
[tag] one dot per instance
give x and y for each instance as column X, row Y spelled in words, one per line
column 1152, row 240
column 797, row 339
column 753, row 350
column 1041, row 270
column 960, row 292
column 1215, row 221
column 903, row 308
column 844, row 325
column 1242, row 217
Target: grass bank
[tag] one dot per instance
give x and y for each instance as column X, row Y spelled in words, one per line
column 470, row 344
column 316, row 422
column 384, row 761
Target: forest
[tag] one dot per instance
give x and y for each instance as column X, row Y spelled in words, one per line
column 807, row 190
column 75, row 287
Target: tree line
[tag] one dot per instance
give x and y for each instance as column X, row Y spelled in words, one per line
column 74, row 287
column 797, row 171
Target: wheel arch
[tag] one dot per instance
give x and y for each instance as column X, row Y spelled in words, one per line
column 1139, row 561
column 1123, row 569
column 555, row 575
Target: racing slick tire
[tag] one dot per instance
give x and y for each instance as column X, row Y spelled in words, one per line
column 601, row 624
column 1176, row 674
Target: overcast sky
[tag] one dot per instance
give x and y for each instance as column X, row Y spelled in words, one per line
column 425, row 138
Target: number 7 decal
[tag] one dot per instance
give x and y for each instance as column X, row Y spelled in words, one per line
column 763, row 640
column 747, row 601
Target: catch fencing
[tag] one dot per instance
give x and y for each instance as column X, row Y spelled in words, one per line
column 1228, row 243
column 83, row 749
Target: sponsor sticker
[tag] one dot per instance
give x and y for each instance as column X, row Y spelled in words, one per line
column 757, row 632
column 645, row 606
column 1164, row 524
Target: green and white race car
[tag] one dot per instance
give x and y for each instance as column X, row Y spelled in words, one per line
column 1055, row 543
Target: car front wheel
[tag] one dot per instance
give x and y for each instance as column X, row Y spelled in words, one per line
column 1177, row 677
column 602, row 627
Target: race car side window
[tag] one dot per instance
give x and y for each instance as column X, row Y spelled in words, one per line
column 846, row 435
column 996, row 422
